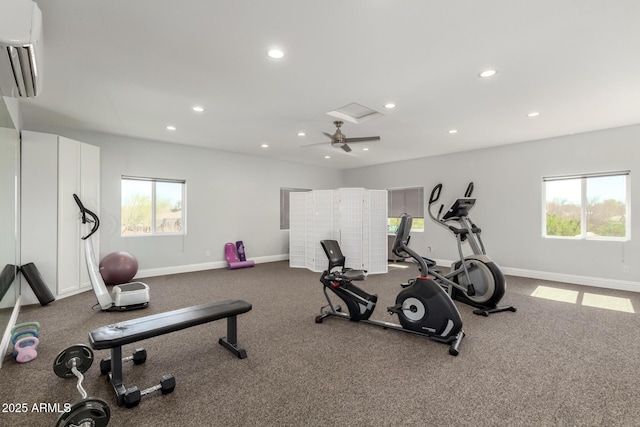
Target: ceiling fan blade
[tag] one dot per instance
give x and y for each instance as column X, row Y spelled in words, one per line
column 346, row 148
column 328, row 135
column 363, row 139
column 314, row 145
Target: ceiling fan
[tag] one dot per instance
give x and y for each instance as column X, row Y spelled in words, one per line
column 340, row 139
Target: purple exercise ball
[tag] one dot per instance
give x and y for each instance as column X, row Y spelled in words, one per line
column 118, row 267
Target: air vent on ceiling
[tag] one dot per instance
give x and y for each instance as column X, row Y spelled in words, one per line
column 354, row 113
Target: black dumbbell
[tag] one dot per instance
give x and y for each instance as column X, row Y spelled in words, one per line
column 133, row 395
column 167, row 384
column 138, row 357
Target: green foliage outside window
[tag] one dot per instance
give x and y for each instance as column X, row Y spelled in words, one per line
column 151, row 207
column 557, row 226
column 136, row 214
column 603, row 219
column 416, row 225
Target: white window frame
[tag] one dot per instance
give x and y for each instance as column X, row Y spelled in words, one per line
column 154, row 232
column 583, row 205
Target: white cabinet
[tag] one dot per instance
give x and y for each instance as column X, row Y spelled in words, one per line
column 355, row 217
column 53, row 169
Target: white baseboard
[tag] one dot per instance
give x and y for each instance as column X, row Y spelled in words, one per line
column 176, row 269
column 599, row 282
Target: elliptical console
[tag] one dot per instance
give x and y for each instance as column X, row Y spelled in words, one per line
column 423, row 308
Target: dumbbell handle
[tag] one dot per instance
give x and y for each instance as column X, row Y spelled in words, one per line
column 150, row 389
column 78, row 374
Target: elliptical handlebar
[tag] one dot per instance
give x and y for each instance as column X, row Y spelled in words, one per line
column 435, row 194
column 469, row 191
column 433, row 198
column 84, row 212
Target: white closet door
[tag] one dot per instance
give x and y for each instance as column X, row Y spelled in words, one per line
column 90, row 196
column 68, row 219
column 39, row 212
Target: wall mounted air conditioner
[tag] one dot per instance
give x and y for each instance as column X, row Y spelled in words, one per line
column 20, row 48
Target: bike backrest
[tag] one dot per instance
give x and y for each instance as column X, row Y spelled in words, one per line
column 334, row 254
column 402, row 236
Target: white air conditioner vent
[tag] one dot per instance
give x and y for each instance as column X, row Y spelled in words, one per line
column 20, row 49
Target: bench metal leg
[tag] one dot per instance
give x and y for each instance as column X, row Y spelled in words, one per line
column 115, row 376
column 230, row 342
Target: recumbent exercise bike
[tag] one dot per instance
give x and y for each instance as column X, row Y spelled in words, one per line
column 423, row 308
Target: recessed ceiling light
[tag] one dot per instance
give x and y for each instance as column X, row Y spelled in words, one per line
column 275, row 53
column 390, row 106
column 452, row 131
column 265, row 146
column 197, row 109
column 170, row 127
column 301, row 134
column 327, row 157
column 487, row 73
column 365, row 149
column 533, row 114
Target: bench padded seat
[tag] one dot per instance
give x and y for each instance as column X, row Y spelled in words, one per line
column 130, row 331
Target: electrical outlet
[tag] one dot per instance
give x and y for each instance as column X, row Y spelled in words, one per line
column 207, row 253
column 625, row 268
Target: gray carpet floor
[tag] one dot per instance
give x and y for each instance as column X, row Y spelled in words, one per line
column 551, row 363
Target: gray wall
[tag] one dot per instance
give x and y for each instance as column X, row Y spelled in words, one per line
column 232, row 197
column 508, row 185
column 229, row 197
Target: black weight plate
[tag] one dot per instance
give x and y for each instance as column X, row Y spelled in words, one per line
column 93, row 412
column 62, row 364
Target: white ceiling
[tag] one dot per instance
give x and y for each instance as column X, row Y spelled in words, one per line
column 133, row 67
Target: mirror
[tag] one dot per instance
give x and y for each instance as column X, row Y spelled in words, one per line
column 9, row 284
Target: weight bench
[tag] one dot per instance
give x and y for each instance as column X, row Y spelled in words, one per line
column 118, row 334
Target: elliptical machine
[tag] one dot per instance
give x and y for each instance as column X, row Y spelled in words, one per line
column 475, row 279
column 423, row 308
column 128, row 296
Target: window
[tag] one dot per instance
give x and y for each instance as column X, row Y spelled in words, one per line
column 406, row 200
column 152, row 206
column 590, row 206
column 284, row 205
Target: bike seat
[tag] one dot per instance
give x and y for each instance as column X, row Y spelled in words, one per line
column 354, row 274
column 337, row 260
